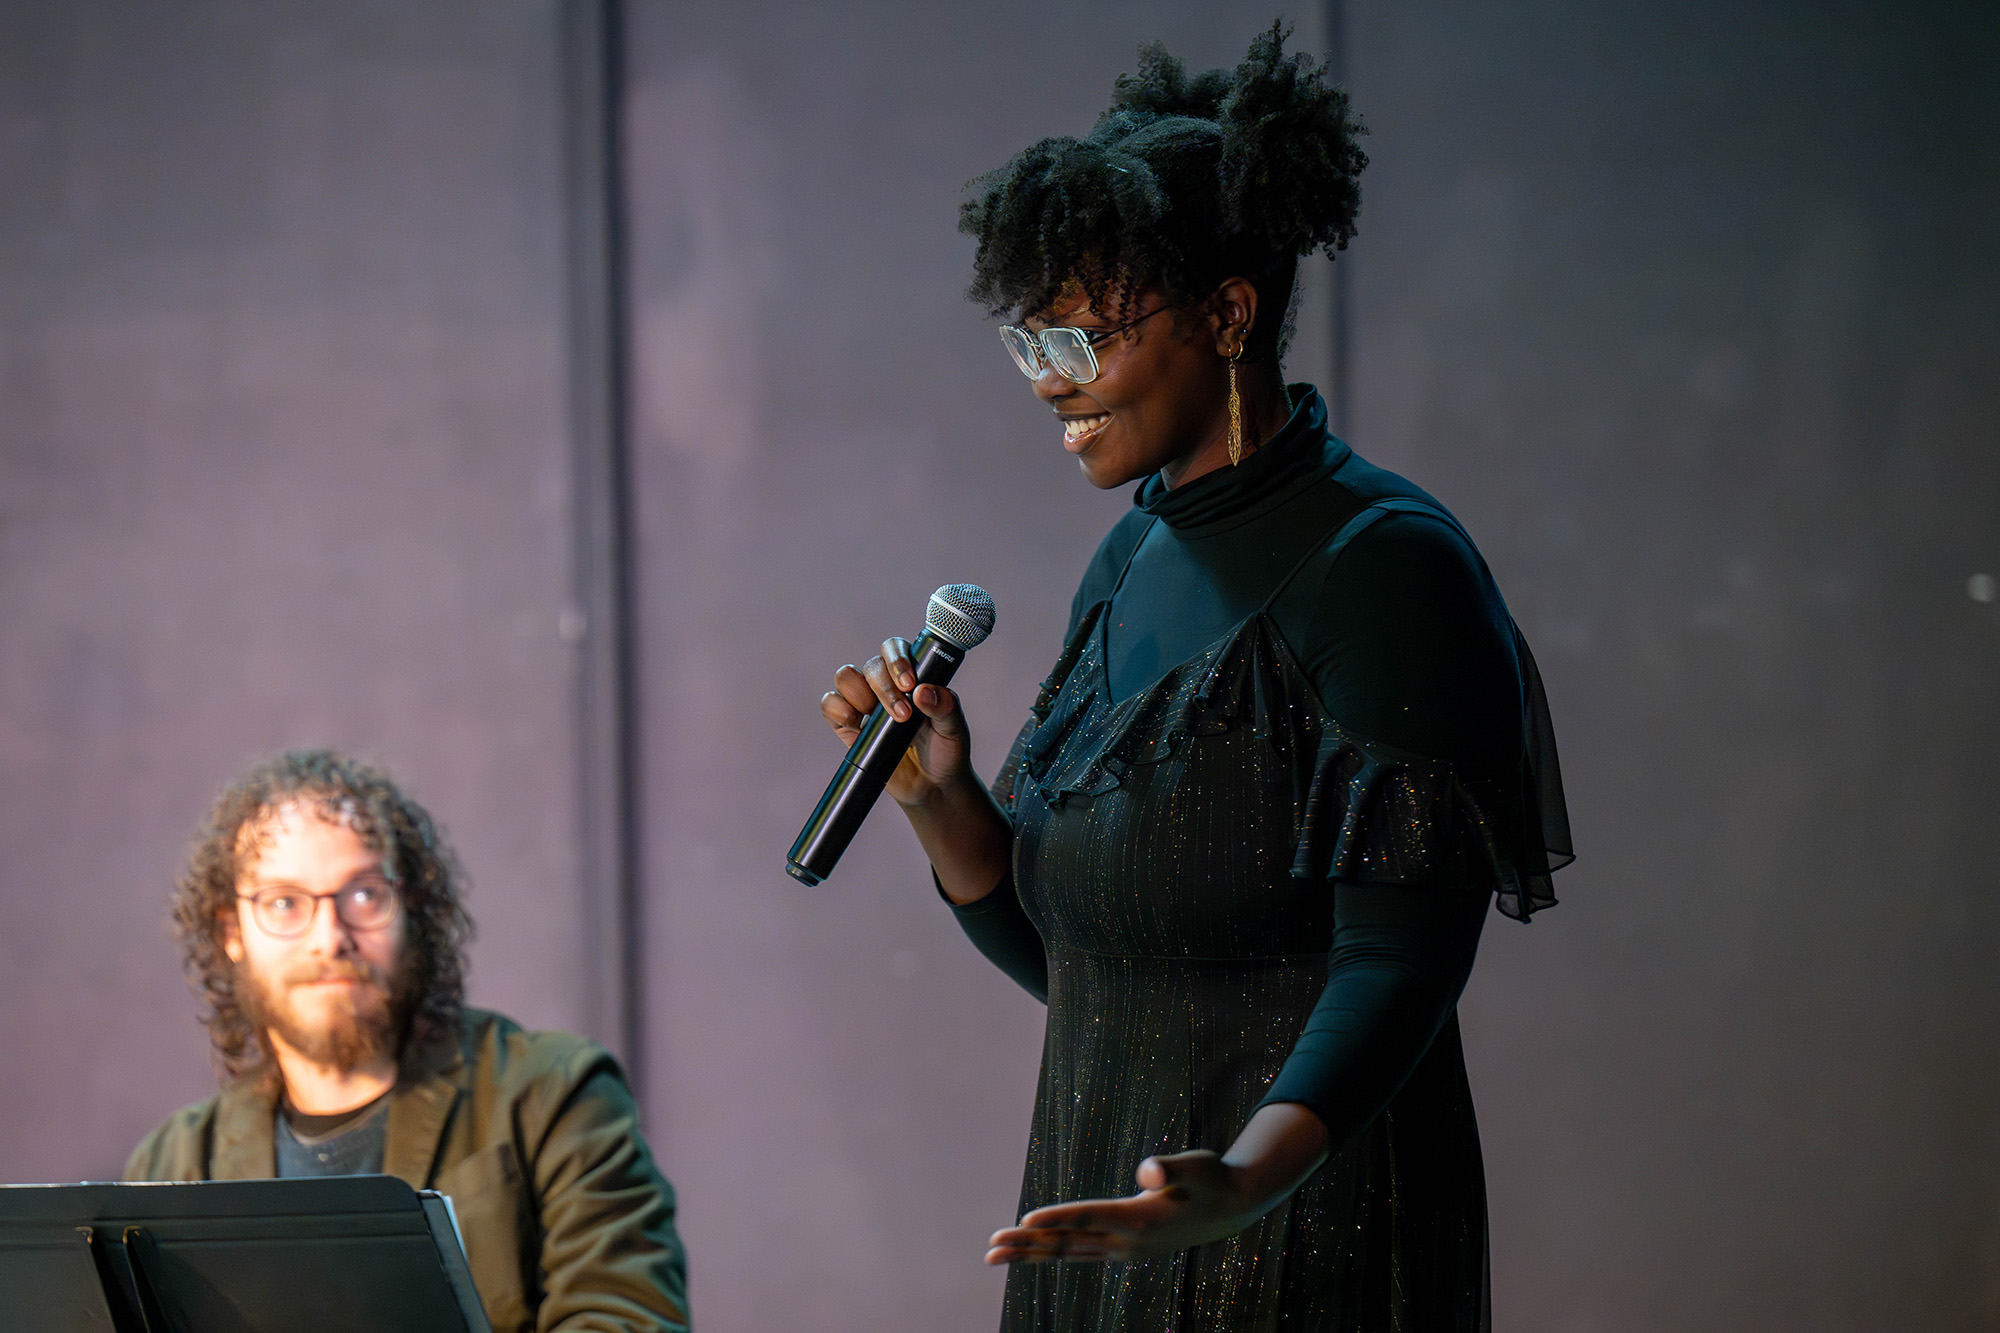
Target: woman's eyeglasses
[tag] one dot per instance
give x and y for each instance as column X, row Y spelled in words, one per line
column 1067, row 351
column 286, row 913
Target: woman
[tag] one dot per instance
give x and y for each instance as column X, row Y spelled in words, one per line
column 1245, row 845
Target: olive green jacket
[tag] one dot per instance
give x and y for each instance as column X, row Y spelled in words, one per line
column 568, row 1224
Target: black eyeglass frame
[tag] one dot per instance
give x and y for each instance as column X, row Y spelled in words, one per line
column 260, row 903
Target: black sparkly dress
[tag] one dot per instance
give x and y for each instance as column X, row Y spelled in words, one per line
column 1176, row 859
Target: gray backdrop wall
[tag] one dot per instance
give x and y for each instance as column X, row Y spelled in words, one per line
column 1689, row 313
column 281, row 462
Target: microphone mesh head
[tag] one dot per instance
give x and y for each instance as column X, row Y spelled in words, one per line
column 961, row 613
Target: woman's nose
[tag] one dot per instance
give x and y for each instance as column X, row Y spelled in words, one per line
column 1050, row 386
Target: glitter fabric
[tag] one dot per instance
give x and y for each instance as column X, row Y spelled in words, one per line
column 1173, row 849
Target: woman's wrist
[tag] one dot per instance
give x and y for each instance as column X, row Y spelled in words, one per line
column 949, row 794
column 1280, row 1146
column 966, row 837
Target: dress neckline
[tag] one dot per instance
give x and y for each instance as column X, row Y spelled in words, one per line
column 1100, row 648
column 1300, row 454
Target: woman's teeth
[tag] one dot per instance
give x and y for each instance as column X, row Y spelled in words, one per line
column 1077, row 427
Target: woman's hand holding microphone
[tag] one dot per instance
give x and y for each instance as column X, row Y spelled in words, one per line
column 963, row 832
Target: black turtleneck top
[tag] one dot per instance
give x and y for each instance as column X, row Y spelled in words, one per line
column 1404, row 635
column 1408, row 644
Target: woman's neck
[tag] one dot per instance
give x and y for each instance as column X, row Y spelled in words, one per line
column 1266, row 406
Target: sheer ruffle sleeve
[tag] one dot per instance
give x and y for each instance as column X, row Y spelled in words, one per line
column 1439, row 765
column 1378, row 815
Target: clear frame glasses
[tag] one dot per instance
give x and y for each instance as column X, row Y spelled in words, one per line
column 286, row 913
column 1069, row 352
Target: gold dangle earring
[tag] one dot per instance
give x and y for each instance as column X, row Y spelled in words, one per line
column 1235, row 410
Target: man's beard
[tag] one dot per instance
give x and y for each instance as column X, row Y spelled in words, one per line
column 366, row 1022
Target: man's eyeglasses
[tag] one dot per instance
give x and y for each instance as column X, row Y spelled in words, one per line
column 1067, row 351
column 286, row 913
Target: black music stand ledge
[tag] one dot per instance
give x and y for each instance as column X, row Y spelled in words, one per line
column 324, row 1255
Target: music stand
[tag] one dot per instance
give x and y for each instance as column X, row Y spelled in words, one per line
column 322, row 1255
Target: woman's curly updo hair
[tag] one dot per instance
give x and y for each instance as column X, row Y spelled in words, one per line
column 414, row 853
column 1186, row 180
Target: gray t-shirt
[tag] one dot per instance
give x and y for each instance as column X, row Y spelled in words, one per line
column 351, row 1145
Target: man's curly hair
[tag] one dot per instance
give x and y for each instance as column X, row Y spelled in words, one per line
column 341, row 791
column 1186, row 180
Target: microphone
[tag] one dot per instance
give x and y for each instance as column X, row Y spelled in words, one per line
column 959, row 617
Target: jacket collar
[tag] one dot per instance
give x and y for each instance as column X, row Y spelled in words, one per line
column 420, row 1107
column 245, row 1146
column 420, row 1110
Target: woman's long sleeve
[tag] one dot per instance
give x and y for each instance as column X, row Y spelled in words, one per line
column 1400, row 958
column 998, row 927
column 997, row 924
column 1411, row 647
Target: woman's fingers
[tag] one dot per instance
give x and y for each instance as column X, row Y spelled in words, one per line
column 888, row 680
column 859, row 691
column 1041, row 1244
column 1098, row 1229
column 839, row 713
column 896, row 657
column 855, row 691
column 1027, row 1233
column 940, row 705
column 1102, row 1215
column 885, row 675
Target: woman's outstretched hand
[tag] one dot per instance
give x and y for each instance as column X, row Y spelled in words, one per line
column 941, row 753
column 1188, row 1198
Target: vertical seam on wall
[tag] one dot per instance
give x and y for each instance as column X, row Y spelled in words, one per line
column 600, row 623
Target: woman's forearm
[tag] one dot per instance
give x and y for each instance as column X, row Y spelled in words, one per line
column 1400, row 960
column 1281, row 1145
column 966, row 837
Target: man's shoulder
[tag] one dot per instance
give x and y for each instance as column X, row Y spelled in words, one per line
column 177, row 1149
column 514, row 1062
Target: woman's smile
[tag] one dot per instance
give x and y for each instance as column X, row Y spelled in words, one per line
column 1079, row 430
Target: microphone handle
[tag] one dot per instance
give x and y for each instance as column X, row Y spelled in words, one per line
column 866, row 770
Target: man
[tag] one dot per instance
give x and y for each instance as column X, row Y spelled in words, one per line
column 320, row 912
